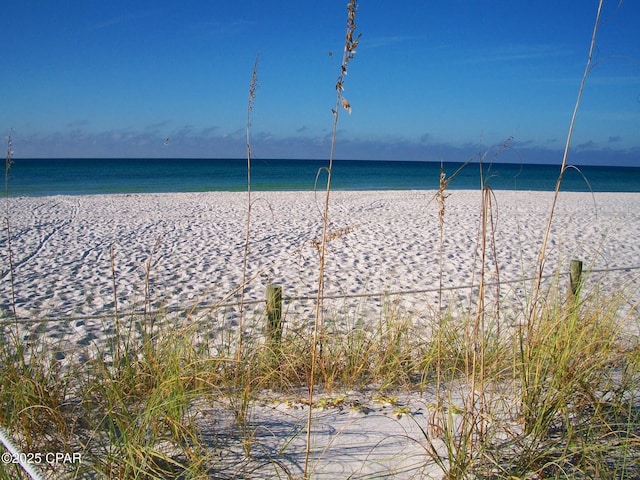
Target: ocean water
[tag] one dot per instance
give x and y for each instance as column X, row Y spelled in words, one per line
column 40, row 177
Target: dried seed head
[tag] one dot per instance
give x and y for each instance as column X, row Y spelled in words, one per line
column 350, row 44
column 253, row 85
column 346, row 105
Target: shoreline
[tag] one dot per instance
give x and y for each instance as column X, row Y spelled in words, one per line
column 318, row 191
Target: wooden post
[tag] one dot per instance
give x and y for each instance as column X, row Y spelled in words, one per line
column 575, row 279
column 274, row 315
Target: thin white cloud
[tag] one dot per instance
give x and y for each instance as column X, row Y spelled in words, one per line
column 380, row 42
column 614, row 80
column 515, row 53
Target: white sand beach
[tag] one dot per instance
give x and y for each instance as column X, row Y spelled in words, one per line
column 172, row 252
column 191, row 246
column 69, row 251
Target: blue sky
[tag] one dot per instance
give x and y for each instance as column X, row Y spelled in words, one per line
column 431, row 80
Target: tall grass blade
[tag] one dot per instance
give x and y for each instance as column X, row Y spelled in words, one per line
column 563, row 167
column 348, row 54
column 7, row 168
column 252, row 95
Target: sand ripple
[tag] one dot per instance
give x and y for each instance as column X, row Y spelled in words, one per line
column 189, row 247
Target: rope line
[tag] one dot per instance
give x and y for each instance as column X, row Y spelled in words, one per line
column 213, row 306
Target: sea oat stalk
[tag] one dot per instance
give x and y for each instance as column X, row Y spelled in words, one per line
column 8, row 163
column 252, row 95
column 564, row 166
column 348, row 54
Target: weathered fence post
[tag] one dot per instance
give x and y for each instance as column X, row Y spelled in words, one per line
column 575, row 279
column 274, row 315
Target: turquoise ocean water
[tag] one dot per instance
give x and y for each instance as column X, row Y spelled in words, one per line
column 39, row 177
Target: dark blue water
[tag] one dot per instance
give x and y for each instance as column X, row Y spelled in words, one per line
column 39, row 177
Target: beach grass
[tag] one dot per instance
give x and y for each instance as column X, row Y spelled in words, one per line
column 556, row 399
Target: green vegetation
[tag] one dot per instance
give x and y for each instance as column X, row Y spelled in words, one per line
column 557, row 398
